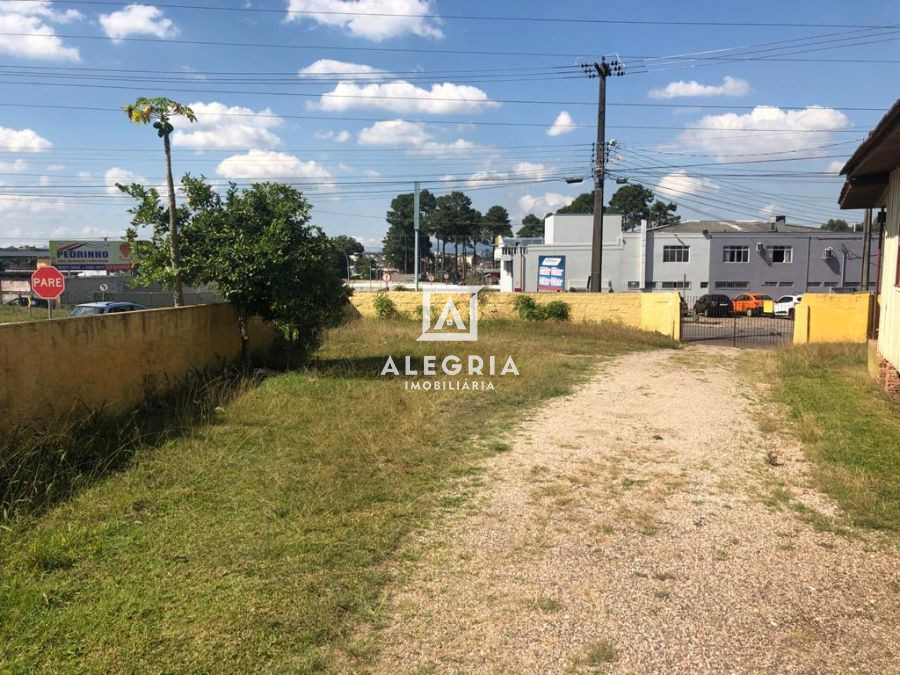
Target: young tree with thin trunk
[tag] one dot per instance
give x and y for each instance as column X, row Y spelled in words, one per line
column 160, row 111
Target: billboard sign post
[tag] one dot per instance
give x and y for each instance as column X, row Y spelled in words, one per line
column 106, row 255
column 551, row 273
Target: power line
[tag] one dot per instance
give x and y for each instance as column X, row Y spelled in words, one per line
column 366, row 97
column 476, row 17
column 332, row 118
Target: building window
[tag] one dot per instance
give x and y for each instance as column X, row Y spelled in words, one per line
column 732, row 284
column 649, row 285
column 736, row 254
column 814, row 284
column 770, row 283
column 785, row 284
column 704, row 284
column 676, row 254
column 782, row 254
column 634, row 284
column 676, row 284
column 830, row 284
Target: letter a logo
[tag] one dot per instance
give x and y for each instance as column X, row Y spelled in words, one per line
column 449, row 326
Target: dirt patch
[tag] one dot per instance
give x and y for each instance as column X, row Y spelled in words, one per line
column 642, row 525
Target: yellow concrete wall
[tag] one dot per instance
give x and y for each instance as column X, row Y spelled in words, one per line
column 823, row 317
column 647, row 311
column 112, row 362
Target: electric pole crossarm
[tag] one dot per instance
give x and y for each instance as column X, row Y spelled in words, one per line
column 601, row 71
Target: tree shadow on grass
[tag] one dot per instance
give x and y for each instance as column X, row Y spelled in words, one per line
column 43, row 464
column 359, row 367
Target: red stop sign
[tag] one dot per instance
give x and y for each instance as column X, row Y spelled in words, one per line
column 48, row 283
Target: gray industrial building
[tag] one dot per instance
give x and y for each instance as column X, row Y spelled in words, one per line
column 694, row 257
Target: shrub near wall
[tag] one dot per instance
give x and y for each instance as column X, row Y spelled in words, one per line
column 112, row 362
column 659, row 312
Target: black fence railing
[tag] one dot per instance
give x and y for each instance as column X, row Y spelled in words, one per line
column 736, row 323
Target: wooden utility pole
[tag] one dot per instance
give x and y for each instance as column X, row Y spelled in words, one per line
column 600, row 71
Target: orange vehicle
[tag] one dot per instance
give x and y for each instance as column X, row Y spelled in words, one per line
column 750, row 304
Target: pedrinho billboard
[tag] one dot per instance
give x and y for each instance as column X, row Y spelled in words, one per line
column 111, row 256
column 551, row 273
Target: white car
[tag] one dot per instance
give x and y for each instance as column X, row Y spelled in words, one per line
column 785, row 305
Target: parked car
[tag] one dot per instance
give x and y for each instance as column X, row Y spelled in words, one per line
column 750, row 304
column 784, row 306
column 25, row 301
column 107, row 307
column 713, row 305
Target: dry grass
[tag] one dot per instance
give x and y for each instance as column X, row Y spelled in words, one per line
column 848, row 428
column 256, row 538
column 14, row 314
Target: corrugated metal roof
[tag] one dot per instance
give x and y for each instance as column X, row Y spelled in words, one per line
column 719, row 226
column 869, row 169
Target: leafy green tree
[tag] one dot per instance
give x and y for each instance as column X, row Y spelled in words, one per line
column 455, row 220
column 662, row 213
column 257, row 247
column 160, row 111
column 635, row 203
column 632, row 202
column 836, row 225
column 494, row 223
column 346, row 248
column 399, row 241
column 583, row 203
column 532, row 226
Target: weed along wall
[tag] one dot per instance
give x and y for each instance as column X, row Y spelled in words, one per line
column 822, row 317
column 657, row 312
column 111, row 362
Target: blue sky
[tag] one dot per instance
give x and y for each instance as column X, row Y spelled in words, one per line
column 418, row 97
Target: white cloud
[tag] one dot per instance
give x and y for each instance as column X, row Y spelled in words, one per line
column 18, row 166
column 404, row 97
column 22, row 140
column 764, row 129
column 220, row 126
column 119, row 175
column 19, row 205
column 412, row 135
column 85, row 175
column 336, row 136
column 40, row 40
column 533, row 170
column 394, row 132
column 342, row 70
column 84, row 231
column 485, row 177
column 540, row 205
column 563, row 124
column 44, row 181
column 137, row 20
column 371, row 173
column 731, row 86
column 771, row 210
column 836, row 166
column 261, row 165
column 678, row 183
column 360, row 17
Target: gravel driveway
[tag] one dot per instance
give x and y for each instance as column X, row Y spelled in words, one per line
column 636, row 526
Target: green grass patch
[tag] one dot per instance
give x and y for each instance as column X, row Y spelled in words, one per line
column 257, row 539
column 9, row 314
column 850, row 430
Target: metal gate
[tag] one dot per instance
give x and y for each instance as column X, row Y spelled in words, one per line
column 757, row 327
